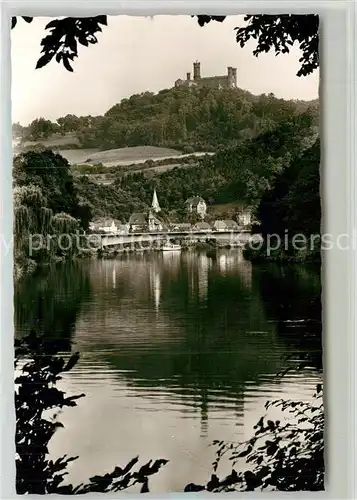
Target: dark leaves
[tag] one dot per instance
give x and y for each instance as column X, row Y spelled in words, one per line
column 66, row 63
column 193, row 488
column 36, row 393
column 14, row 20
column 282, row 456
column 279, row 33
column 44, row 60
column 203, row 19
column 65, row 34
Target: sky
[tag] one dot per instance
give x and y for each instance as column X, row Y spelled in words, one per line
column 138, row 54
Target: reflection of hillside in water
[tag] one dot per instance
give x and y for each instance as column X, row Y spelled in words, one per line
column 182, row 332
column 50, row 301
column 180, row 321
column 292, row 297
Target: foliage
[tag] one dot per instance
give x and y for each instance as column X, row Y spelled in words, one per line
column 69, row 123
column 278, row 32
column 51, row 173
column 238, row 174
column 290, row 209
column 293, row 202
column 109, row 201
column 188, row 119
column 46, row 206
column 40, row 128
column 284, row 455
column 37, row 397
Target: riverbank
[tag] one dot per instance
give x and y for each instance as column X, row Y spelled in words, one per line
column 209, row 245
column 26, row 267
column 281, row 255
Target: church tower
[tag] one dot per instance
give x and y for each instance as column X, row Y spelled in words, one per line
column 155, row 204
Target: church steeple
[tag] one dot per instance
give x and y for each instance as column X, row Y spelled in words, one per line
column 155, row 204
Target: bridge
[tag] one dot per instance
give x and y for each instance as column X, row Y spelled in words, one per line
column 234, row 238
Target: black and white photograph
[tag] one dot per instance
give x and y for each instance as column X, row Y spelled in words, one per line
column 167, row 254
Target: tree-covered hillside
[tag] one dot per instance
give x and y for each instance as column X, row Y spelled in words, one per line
column 189, row 119
column 239, row 174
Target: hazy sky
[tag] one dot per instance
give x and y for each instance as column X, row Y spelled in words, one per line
column 135, row 54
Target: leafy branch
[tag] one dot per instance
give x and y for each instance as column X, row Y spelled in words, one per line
column 285, row 456
column 36, row 394
column 277, row 32
column 64, row 37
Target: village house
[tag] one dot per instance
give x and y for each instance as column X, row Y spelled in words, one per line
column 155, row 224
column 202, row 226
column 123, row 228
column 104, row 225
column 244, row 218
column 138, row 223
column 225, row 225
column 219, row 225
column 197, row 205
column 243, row 215
column 141, row 222
column 231, row 225
column 181, row 227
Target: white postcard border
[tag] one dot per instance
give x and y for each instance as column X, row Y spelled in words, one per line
column 339, row 188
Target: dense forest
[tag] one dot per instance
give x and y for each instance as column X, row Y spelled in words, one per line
column 187, row 119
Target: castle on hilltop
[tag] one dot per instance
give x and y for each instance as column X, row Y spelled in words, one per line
column 227, row 81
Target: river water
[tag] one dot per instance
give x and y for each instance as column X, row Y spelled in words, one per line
column 177, row 349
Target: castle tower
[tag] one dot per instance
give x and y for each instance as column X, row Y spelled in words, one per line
column 155, row 204
column 196, row 70
column 232, row 77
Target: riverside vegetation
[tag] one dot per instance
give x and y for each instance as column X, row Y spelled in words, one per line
column 280, row 456
column 276, row 173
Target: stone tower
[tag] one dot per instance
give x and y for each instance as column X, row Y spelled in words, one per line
column 155, row 204
column 232, row 77
column 196, row 70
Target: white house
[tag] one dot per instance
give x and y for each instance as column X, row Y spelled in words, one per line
column 137, row 222
column 244, row 218
column 219, row 225
column 231, row 225
column 123, row 229
column 181, row 227
column 202, row 227
column 105, row 226
column 197, row 205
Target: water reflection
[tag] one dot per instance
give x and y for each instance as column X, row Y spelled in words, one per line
column 178, row 349
column 51, row 301
column 292, row 298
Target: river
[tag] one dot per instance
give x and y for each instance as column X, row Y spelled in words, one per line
column 177, row 349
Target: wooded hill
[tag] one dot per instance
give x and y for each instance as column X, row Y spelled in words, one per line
column 188, row 119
